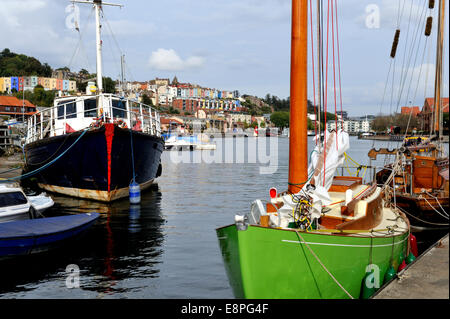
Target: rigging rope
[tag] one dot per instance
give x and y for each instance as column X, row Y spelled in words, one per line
column 80, row 42
column 313, row 69
column 339, row 61
column 334, row 75
column 326, row 96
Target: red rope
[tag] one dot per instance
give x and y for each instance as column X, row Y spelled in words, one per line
column 313, row 72
column 339, row 62
column 326, row 97
column 334, row 76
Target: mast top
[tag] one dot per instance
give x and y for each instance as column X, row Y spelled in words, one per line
column 97, row 2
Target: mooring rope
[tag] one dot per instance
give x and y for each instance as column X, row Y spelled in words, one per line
column 421, row 220
column 446, row 217
column 437, row 200
column 26, row 175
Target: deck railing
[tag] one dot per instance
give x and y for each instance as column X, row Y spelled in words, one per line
column 58, row 119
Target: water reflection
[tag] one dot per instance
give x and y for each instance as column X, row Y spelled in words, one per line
column 125, row 243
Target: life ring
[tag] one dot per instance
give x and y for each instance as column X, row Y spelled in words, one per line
column 121, row 124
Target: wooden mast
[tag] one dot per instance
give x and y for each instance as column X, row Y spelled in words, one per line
column 298, row 147
column 438, row 75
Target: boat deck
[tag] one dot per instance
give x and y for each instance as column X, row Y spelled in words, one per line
column 389, row 218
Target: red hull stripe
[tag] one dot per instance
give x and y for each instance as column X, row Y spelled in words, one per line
column 109, row 134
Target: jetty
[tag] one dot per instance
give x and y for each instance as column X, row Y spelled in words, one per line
column 426, row 278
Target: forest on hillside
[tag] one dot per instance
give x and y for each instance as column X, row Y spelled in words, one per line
column 13, row 64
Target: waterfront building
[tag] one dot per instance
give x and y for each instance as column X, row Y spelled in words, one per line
column 65, row 84
column 34, row 81
column 414, row 110
column 350, row 126
column 15, row 108
column 426, row 115
column 14, row 83
column 27, row 82
column 6, row 84
column 2, row 85
column 52, row 84
column 72, row 85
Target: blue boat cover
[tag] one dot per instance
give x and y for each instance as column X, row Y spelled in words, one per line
column 44, row 226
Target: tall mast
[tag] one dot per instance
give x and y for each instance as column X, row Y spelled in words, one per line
column 122, row 73
column 319, row 66
column 98, row 7
column 438, row 76
column 298, row 147
column 98, row 40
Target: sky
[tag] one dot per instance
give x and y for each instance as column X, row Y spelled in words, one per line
column 239, row 45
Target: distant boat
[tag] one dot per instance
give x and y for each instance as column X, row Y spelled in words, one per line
column 25, row 237
column 94, row 146
column 187, row 143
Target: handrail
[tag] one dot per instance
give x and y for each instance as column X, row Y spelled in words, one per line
column 49, row 121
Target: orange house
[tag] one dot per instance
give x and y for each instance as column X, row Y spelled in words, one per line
column 13, row 107
column 59, row 84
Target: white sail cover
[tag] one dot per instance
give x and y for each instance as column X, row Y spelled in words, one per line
column 334, row 157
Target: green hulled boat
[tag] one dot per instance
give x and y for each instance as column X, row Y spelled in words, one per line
column 328, row 237
column 265, row 262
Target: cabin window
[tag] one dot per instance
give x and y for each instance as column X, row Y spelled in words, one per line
column 12, row 199
column 90, row 108
column 71, row 109
column 119, row 108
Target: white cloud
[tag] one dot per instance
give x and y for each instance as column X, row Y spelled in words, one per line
column 169, row 60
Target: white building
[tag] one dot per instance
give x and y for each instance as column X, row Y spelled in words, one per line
column 351, row 126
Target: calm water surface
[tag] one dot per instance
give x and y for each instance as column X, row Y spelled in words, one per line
column 164, row 248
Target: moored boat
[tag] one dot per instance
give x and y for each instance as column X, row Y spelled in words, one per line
column 15, row 205
column 325, row 237
column 93, row 146
column 25, row 237
column 418, row 177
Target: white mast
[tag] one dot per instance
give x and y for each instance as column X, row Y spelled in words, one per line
column 122, row 73
column 98, row 7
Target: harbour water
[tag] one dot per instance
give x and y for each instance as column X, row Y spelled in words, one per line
column 166, row 247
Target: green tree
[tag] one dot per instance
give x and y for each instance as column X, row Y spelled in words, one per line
column 109, row 86
column 254, row 124
column 147, row 100
column 13, row 64
column 280, row 119
column 310, row 125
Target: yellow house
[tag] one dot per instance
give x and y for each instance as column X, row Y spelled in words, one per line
column 72, row 85
column 6, row 84
column 1, row 85
column 53, row 83
column 47, row 83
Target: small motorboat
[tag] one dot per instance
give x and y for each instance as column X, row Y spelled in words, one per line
column 188, row 143
column 25, row 237
column 15, row 205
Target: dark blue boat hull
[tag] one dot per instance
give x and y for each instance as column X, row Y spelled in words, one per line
column 32, row 236
column 83, row 171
